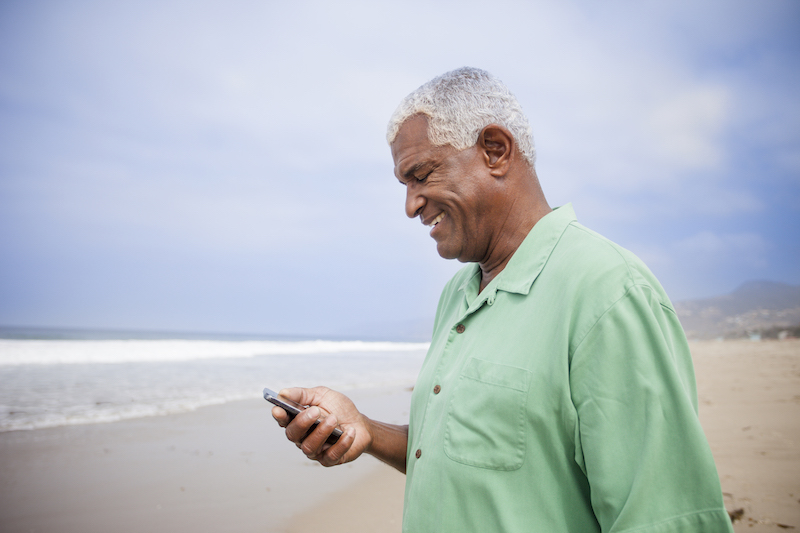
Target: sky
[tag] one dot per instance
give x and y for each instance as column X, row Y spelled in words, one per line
column 222, row 166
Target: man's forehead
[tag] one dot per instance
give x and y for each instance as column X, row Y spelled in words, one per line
column 412, row 148
column 410, row 142
column 412, row 132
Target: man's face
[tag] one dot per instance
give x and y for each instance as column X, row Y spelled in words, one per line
column 448, row 189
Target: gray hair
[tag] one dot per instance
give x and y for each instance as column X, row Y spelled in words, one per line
column 459, row 104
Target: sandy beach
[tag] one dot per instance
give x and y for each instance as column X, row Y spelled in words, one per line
column 228, row 467
column 749, row 395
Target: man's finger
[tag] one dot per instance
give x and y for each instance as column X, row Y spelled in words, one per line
column 335, row 454
column 312, row 396
column 297, row 394
column 280, row 416
column 316, row 443
column 297, row 429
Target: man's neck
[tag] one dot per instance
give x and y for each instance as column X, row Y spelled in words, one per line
column 515, row 231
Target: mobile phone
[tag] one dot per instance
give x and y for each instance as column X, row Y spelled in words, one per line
column 293, row 409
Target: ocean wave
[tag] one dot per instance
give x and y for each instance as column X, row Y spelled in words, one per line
column 15, row 421
column 54, row 352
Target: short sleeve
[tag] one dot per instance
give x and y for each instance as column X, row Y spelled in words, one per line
column 638, row 437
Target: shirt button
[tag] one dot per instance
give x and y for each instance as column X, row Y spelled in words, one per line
column 460, row 328
column 419, row 452
column 437, row 389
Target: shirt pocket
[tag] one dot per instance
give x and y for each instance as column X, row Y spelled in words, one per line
column 486, row 416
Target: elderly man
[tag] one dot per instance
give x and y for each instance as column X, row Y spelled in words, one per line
column 558, row 393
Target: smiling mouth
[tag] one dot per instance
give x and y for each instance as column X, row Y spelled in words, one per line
column 436, row 220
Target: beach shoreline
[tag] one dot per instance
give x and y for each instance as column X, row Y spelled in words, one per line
column 229, row 468
column 220, row 468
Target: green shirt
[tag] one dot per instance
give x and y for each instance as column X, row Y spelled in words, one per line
column 561, row 398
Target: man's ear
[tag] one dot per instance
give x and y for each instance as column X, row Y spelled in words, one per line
column 497, row 145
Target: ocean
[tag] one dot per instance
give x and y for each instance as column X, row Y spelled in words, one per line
column 57, row 380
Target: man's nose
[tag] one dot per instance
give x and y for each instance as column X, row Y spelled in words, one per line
column 414, row 200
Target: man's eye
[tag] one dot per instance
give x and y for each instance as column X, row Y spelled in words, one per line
column 422, row 179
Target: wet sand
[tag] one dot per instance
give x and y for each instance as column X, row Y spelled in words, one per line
column 220, row 468
column 228, row 467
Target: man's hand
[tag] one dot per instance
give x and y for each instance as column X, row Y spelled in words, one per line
column 331, row 409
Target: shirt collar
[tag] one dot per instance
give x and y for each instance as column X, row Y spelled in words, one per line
column 527, row 262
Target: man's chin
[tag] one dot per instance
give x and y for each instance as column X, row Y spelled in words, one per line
column 447, row 253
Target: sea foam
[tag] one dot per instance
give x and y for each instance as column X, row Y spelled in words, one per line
column 48, row 352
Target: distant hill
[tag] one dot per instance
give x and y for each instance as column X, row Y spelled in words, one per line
column 763, row 308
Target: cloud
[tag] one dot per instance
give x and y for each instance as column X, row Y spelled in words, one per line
column 686, row 129
column 717, row 250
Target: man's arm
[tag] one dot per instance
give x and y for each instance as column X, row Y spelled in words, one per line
column 387, row 442
column 639, row 440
